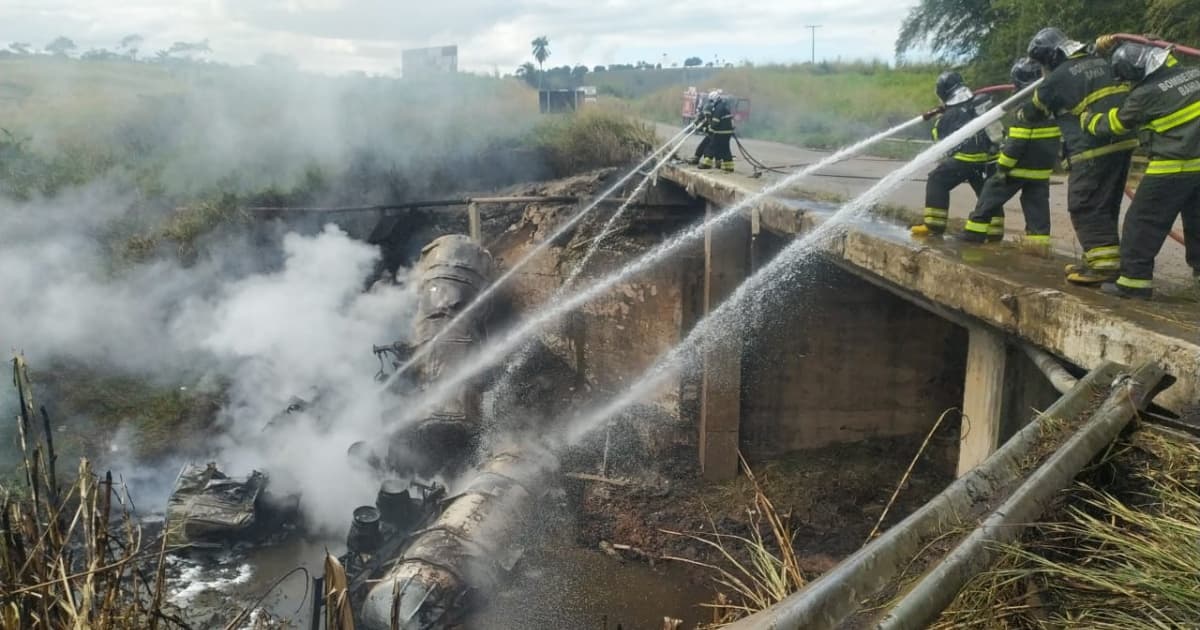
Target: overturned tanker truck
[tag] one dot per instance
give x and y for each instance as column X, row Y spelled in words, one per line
column 421, row 558
column 425, row 553
column 452, row 272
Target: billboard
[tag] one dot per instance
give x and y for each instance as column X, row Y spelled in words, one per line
column 424, row 62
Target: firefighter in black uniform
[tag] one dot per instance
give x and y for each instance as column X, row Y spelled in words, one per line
column 1164, row 109
column 968, row 163
column 703, row 122
column 718, row 153
column 1077, row 80
column 1024, row 166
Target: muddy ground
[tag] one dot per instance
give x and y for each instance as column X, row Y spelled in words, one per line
column 830, row 498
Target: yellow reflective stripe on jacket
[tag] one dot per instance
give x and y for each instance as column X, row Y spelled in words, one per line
column 1097, row 95
column 1006, row 160
column 972, row 157
column 1170, row 121
column 1170, row 167
column 1025, row 133
column 1091, row 126
column 1037, row 102
column 1031, row 173
column 1114, row 123
column 723, row 132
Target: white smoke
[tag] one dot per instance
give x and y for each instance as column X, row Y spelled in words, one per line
column 307, row 326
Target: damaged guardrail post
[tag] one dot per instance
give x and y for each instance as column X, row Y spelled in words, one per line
column 926, row 601
column 835, row 595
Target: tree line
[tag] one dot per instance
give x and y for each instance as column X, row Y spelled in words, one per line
column 988, row 35
column 128, row 48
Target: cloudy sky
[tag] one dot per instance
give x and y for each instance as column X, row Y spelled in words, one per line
column 368, row 35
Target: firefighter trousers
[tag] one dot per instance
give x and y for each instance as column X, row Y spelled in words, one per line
column 1159, row 200
column 988, row 217
column 1094, row 191
column 945, row 177
column 718, row 153
column 703, row 146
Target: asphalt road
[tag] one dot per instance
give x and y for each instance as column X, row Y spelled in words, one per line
column 854, row 176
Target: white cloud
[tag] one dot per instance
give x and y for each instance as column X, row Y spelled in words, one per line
column 368, row 35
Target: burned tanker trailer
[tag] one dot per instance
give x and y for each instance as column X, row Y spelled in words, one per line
column 423, row 561
column 451, row 274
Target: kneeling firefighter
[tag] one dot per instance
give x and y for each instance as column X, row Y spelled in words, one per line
column 1024, row 166
column 969, row 161
column 718, row 153
column 1077, row 79
column 1164, row 109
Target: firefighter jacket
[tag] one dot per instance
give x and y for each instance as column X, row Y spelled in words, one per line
column 1082, row 82
column 1164, row 110
column 977, row 149
column 721, row 119
column 1031, row 150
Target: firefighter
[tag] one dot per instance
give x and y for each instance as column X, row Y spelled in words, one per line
column 1078, row 79
column 1024, row 166
column 1164, row 109
column 969, row 161
column 718, row 153
column 703, row 122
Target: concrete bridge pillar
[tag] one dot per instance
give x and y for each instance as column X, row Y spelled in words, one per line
column 726, row 260
column 983, row 397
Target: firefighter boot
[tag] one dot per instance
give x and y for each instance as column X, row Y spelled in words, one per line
column 1038, row 245
column 727, row 166
column 922, row 230
column 1120, row 290
column 995, row 232
column 1091, row 277
column 706, row 163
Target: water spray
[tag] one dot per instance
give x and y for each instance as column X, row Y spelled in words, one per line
column 781, row 268
column 486, row 295
column 495, row 352
column 515, row 365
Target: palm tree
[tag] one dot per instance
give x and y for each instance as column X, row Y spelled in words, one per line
column 541, row 52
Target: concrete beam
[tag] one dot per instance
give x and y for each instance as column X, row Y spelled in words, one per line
column 983, row 397
column 1021, row 295
column 726, row 256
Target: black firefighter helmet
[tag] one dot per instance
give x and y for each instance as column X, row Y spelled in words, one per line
column 1133, row 61
column 1050, row 47
column 1024, row 72
column 950, row 88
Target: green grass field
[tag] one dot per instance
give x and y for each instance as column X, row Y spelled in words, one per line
column 817, row 106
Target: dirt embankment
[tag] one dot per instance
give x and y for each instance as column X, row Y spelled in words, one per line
column 829, row 497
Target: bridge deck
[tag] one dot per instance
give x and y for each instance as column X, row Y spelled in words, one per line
column 999, row 286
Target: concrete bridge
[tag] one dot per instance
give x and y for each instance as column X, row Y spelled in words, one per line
column 899, row 329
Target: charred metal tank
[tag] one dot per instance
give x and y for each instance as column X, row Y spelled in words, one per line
column 451, row 274
column 435, row 570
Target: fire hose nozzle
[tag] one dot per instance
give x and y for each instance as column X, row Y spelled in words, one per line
column 936, row 111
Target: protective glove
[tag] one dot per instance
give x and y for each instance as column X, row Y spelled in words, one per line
column 1105, row 44
column 937, row 111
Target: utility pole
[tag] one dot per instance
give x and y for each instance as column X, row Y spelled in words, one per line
column 813, row 29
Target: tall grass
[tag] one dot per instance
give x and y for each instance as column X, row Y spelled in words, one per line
column 759, row 570
column 1121, row 558
column 71, row 554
